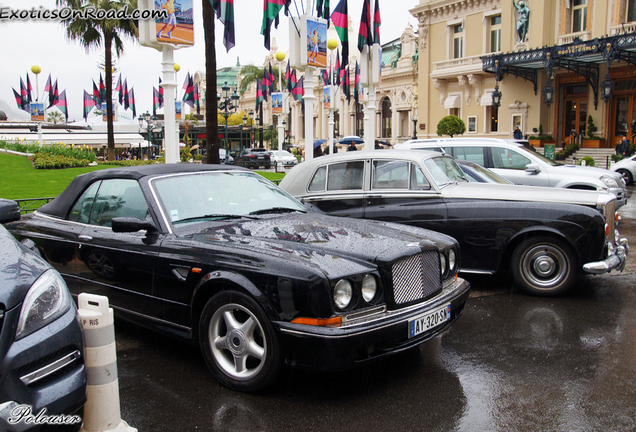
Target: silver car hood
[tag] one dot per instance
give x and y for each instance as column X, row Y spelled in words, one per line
column 523, row 193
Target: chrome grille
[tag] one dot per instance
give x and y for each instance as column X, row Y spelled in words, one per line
column 416, row 277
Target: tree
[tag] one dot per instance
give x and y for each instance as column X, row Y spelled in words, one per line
column 103, row 33
column 451, row 125
column 211, row 105
column 55, row 117
column 189, row 118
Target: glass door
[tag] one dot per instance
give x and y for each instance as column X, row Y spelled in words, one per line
column 575, row 120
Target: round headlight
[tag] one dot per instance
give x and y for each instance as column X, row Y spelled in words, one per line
column 442, row 263
column 342, row 293
column 369, row 288
column 452, row 261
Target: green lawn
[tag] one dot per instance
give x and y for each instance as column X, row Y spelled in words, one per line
column 20, row 180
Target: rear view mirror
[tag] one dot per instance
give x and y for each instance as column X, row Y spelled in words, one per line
column 9, row 211
column 132, row 224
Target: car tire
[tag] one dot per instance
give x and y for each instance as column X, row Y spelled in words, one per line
column 238, row 342
column 103, row 264
column 627, row 176
column 544, row 266
column 268, row 166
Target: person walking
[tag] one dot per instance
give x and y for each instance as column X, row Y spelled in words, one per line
column 518, row 134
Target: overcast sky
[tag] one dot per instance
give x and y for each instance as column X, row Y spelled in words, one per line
column 30, row 42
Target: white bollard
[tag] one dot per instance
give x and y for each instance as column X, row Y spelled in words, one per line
column 101, row 411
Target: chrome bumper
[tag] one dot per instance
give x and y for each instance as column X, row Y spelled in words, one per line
column 616, row 260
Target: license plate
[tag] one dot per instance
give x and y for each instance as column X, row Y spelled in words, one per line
column 429, row 320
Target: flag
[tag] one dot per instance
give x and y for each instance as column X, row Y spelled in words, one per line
column 288, row 77
column 364, row 34
column 356, row 84
column 29, row 88
column 131, row 101
column 24, row 93
column 196, row 98
column 188, row 96
column 126, row 100
column 337, row 70
column 47, row 89
column 225, row 13
column 340, row 19
column 271, row 8
column 325, row 76
column 260, row 95
column 377, row 21
column 102, row 89
column 322, row 9
column 119, row 89
column 160, row 94
column 20, row 101
column 299, row 91
column 89, row 104
column 155, row 101
column 266, row 82
column 95, row 94
column 60, row 102
column 272, row 79
column 53, row 95
column 347, row 83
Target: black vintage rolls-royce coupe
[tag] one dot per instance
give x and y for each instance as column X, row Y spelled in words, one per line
column 220, row 256
column 547, row 237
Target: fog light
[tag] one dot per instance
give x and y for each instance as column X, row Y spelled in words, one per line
column 369, row 288
column 342, row 293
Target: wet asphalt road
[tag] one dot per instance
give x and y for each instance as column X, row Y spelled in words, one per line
column 511, row 363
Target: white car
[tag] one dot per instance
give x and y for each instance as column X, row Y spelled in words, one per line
column 521, row 165
column 288, row 158
column 627, row 168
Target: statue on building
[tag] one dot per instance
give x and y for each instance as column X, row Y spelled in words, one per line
column 397, row 55
column 523, row 12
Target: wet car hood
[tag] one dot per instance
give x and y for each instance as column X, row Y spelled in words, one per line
column 523, row 193
column 316, row 235
column 585, row 170
column 19, row 268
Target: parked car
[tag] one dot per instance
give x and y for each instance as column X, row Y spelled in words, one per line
column 477, row 173
column 41, row 341
column 288, row 158
column 521, row 165
column 545, row 236
column 224, row 157
column 627, row 168
column 253, row 158
column 218, row 255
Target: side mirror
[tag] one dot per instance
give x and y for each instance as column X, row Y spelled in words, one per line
column 533, row 169
column 132, row 224
column 9, row 211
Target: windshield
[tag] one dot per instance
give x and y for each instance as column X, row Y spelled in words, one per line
column 219, row 195
column 444, row 170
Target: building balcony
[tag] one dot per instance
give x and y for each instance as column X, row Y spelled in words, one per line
column 458, row 66
column 569, row 38
column 626, row 28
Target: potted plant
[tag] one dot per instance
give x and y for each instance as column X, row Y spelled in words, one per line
column 591, row 140
column 541, row 139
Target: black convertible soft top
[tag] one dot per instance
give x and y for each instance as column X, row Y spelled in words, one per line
column 59, row 207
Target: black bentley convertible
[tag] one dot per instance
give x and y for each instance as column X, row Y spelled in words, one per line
column 219, row 255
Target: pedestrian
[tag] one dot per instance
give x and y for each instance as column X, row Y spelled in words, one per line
column 317, row 151
column 352, row 147
column 518, row 134
column 624, row 150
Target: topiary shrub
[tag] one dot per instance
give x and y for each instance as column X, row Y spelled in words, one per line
column 451, row 125
column 589, row 161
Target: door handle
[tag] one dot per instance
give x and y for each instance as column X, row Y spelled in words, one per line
column 84, row 237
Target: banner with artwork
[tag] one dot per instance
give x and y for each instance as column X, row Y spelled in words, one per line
column 277, row 103
column 37, row 111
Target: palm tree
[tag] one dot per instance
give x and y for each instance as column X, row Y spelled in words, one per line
column 211, row 105
column 55, row 117
column 105, row 34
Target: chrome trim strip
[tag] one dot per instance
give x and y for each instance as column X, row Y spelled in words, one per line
column 51, row 368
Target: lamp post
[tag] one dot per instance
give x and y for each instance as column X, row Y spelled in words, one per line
column 150, row 124
column 36, row 70
column 227, row 104
column 414, row 120
column 280, row 56
column 251, row 115
column 242, row 127
column 332, row 44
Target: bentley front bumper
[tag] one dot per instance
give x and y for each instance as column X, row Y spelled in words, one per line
column 615, row 261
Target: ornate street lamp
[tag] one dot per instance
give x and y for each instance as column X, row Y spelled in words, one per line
column 227, row 104
column 414, row 120
column 606, row 88
column 496, row 97
column 548, row 94
column 150, row 124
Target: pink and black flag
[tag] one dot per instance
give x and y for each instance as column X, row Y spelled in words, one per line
column 89, row 104
column 48, row 88
column 131, row 101
column 53, row 95
column 119, row 89
column 102, row 89
column 266, row 82
column 377, row 21
column 20, row 101
column 347, row 83
column 196, row 98
column 260, row 94
column 322, row 9
column 126, row 100
column 60, row 102
column 338, row 70
column 225, row 13
column 188, row 96
column 29, row 88
column 271, row 8
column 340, row 19
column 288, row 77
column 356, row 84
column 299, row 90
column 24, row 91
column 365, row 36
column 160, row 94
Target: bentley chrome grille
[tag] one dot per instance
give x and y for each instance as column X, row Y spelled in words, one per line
column 416, row 277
